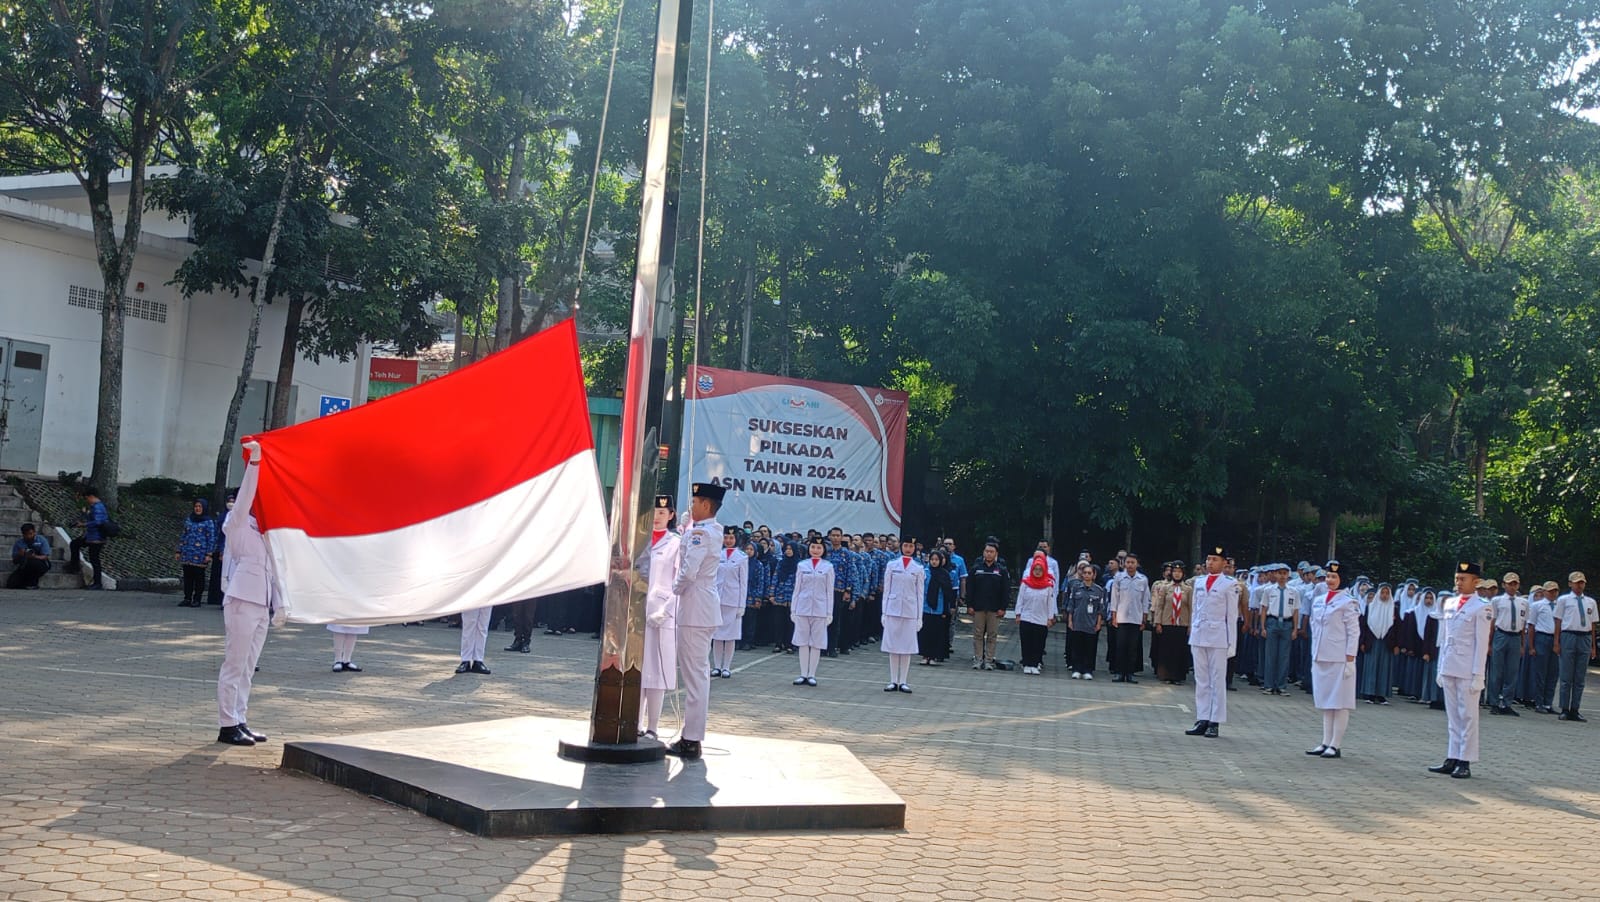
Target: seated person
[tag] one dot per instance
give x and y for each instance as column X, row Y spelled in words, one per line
column 30, row 559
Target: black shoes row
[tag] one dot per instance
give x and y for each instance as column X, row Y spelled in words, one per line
column 346, row 667
column 472, row 667
column 240, row 734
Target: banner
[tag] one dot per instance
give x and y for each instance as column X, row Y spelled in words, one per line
column 796, row 454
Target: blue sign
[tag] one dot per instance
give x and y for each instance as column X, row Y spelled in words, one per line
column 331, row 404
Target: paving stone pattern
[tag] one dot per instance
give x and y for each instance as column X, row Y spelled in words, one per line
column 1019, row 787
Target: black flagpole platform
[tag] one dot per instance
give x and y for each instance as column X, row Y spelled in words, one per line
column 502, row 778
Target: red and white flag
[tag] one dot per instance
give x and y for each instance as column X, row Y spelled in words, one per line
column 474, row 489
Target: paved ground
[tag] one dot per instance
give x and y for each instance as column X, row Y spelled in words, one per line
column 1018, row 787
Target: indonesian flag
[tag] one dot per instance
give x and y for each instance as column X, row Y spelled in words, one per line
column 474, row 489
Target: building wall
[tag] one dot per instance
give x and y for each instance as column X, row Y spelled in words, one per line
column 178, row 375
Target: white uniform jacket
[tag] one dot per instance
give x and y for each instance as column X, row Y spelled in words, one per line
column 246, row 562
column 1216, row 613
column 733, row 578
column 661, row 571
column 903, row 588
column 696, row 581
column 1464, row 632
column 1335, row 627
column 813, row 590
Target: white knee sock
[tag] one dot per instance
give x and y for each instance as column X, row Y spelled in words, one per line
column 905, row 669
column 652, row 707
column 1327, row 728
column 809, row 664
column 1341, row 719
column 899, row 668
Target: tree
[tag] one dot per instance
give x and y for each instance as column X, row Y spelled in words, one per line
column 104, row 89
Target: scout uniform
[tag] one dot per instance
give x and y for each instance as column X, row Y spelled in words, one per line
column 1544, row 665
column 1507, row 647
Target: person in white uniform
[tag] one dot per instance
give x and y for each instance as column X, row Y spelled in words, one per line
column 248, row 601
column 811, row 610
column 1214, row 639
column 733, row 584
column 1465, row 624
column 904, row 585
column 474, row 637
column 1335, row 638
column 699, row 614
column 659, row 673
column 344, row 646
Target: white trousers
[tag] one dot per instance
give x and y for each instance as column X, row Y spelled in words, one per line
column 694, row 644
column 1210, row 682
column 244, row 626
column 474, row 633
column 1461, row 711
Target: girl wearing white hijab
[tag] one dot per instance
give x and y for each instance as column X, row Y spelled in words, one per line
column 1377, row 647
column 1424, row 635
column 1335, row 635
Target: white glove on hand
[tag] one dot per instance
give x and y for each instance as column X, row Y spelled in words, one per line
column 1438, row 680
column 830, row 620
column 253, row 448
column 685, row 521
column 280, row 616
column 656, row 618
column 1477, row 684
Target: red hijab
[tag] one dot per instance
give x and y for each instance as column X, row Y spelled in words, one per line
column 1039, row 573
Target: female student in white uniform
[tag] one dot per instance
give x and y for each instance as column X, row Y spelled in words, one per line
column 903, row 590
column 1335, row 636
column 660, row 664
column 733, row 585
column 811, row 610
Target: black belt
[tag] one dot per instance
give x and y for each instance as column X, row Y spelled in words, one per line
column 1276, row 617
column 1576, row 632
column 1508, row 632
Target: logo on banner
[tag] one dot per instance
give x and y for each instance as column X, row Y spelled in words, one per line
column 799, row 403
column 877, row 399
column 705, row 383
column 331, row 405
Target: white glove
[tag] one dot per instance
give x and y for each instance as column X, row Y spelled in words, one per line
column 1438, row 680
column 685, row 521
column 280, row 616
column 656, row 618
column 253, row 447
column 1477, row 684
column 830, row 620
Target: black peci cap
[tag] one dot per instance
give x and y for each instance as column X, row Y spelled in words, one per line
column 709, row 491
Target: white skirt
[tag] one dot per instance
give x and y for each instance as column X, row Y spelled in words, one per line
column 732, row 627
column 1333, row 684
column 660, row 666
column 348, row 630
column 810, row 632
column 900, row 635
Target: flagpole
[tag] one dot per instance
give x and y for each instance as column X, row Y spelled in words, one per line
column 614, row 719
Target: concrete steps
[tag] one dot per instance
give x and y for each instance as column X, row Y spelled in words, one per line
column 14, row 512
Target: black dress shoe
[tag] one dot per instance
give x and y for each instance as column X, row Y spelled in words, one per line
column 1574, row 715
column 1129, row 679
column 515, row 646
column 258, row 737
column 1448, row 767
column 477, row 667
column 1318, row 750
column 234, row 736
column 464, row 667
column 904, row 688
column 1507, row 709
column 350, row 667
column 831, row 653
column 1199, row 729
column 1463, row 771
column 687, row 749
column 1211, row 731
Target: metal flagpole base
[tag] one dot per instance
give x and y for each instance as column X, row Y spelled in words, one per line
column 642, row 752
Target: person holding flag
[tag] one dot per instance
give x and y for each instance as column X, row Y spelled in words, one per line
column 249, row 600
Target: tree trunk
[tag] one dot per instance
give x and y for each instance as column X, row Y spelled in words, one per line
column 1386, row 542
column 1194, row 541
column 1328, row 530
column 1480, row 468
column 286, row 361
column 749, row 304
column 115, row 260
column 1049, row 524
column 1261, row 523
column 258, row 300
column 511, row 274
column 1127, row 535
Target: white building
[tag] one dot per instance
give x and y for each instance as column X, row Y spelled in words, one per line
column 181, row 356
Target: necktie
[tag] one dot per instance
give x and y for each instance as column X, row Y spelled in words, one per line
column 1512, row 600
column 1583, row 612
column 1282, row 593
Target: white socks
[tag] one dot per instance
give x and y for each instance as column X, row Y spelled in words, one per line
column 1333, row 726
column 344, row 647
column 899, row 669
column 653, row 698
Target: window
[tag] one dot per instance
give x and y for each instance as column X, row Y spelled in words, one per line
column 138, row 308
